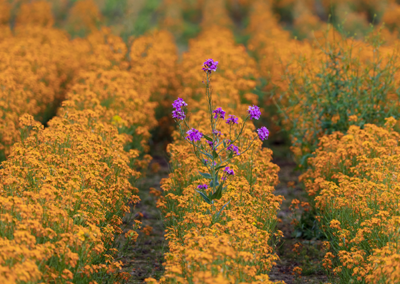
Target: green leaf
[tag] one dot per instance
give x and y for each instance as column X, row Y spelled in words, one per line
column 304, row 159
column 206, row 199
column 208, row 155
column 219, row 212
column 215, row 155
column 208, row 138
column 297, row 234
column 206, row 175
column 212, row 183
column 218, row 193
column 220, row 167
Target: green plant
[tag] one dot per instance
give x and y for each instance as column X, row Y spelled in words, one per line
column 351, row 85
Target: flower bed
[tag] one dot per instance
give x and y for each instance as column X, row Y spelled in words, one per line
column 353, row 179
column 228, row 236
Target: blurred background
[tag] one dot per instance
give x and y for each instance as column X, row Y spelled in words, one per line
column 128, row 18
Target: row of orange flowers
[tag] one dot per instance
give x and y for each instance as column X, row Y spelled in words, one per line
column 236, row 244
column 126, row 84
column 354, row 16
column 351, row 177
column 354, row 181
column 37, row 65
column 319, row 83
column 65, row 188
column 63, row 191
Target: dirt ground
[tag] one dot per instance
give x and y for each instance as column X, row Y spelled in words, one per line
column 144, row 258
column 309, row 255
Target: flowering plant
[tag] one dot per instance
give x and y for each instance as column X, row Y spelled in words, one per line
column 214, row 148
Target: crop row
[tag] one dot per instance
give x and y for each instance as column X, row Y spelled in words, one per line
column 232, row 239
column 36, row 68
column 337, row 98
column 64, row 189
column 354, row 181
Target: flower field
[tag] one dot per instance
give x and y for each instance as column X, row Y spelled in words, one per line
column 94, row 93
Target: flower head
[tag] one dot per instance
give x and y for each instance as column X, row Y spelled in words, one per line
column 263, row 133
column 194, row 135
column 210, row 65
column 178, row 112
column 232, row 119
column 179, row 103
column 233, row 148
column 229, row 171
column 202, row 186
column 219, row 112
column 254, row 112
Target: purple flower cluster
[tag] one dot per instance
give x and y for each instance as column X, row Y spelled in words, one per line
column 263, row 133
column 232, row 119
column 194, row 135
column 254, row 112
column 219, row 112
column 179, row 103
column 178, row 112
column 233, row 148
column 229, row 171
column 210, row 65
column 211, row 144
column 202, row 186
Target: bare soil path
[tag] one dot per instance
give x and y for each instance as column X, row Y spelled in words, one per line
column 144, row 258
column 295, row 252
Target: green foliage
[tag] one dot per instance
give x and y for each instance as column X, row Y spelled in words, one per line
column 285, row 12
column 114, row 9
column 190, row 30
column 146, row 18
column 321, row 102
column 308, row 227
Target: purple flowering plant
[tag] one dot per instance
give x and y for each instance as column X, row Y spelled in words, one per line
column 216, row 149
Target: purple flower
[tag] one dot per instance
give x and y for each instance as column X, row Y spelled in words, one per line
column 179, row 103
column 202, row 186
column 233, row 148
column 263, row 133
column 219, row 112
column 223, row 178
column 229, row 171
column 194, row 135
column 210, row 65
column 178, row 112
column 232, row 119
column 211, row 144
column 254, row 112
